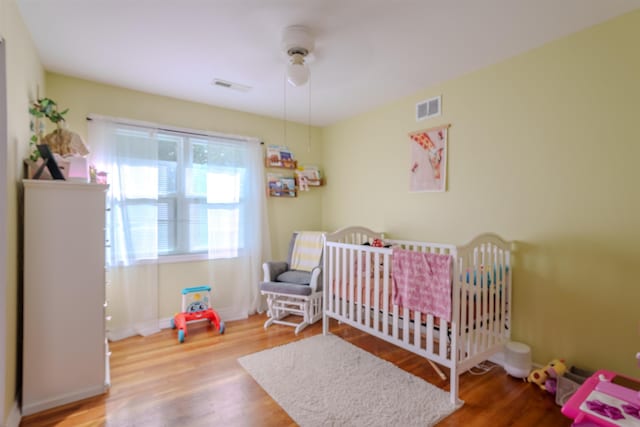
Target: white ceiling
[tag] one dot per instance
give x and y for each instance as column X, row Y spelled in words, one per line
column 368, row 52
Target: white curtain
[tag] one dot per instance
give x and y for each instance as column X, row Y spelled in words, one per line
column 130, row 158
column 174, row 194
column 242, row 271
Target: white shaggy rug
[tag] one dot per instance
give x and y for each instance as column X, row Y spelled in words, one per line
column 325, row 381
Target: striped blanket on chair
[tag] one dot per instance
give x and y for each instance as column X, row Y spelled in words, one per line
column 307, row 250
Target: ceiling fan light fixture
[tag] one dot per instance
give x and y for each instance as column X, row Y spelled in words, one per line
column 297, row 71
column 297, row 43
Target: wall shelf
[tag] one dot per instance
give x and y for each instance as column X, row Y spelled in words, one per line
column 288, row 184
column 283, row 193
column 282, row 164
column 280, row 185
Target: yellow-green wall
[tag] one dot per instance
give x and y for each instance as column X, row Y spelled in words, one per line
column 543, row 150
column 25, row 76
column 285, row 215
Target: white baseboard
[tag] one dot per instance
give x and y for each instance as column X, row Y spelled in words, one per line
column 14, row 416
column 119, row 334
column 498, row 359
column 165, row 323
column 226, row 314
column 144, row 329
column 32, row 408
column 230, row 314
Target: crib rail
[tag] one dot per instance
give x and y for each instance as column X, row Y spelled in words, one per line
column 358, row 289
column 483, row 276
column 362, row 297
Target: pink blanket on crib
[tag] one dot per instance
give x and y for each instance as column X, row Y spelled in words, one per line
column 422, row 281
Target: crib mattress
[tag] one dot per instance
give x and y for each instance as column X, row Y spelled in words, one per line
column 346, row 293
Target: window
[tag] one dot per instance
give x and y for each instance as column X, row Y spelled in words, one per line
column 176, row 194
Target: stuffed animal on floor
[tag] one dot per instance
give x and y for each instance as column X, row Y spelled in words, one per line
column 547, row 377
column 538, row 376
column 556, row 368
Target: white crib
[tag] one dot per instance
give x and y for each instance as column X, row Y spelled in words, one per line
column 481, row 292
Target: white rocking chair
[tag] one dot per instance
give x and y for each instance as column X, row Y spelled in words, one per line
column 292, row 292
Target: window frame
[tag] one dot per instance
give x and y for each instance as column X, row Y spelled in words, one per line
column 179, row 245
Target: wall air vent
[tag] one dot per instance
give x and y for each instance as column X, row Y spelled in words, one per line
column 230, row 85
column 428, row 108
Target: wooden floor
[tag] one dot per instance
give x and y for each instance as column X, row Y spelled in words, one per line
column 158, row 382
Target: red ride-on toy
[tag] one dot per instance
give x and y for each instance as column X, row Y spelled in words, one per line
column 196, row 306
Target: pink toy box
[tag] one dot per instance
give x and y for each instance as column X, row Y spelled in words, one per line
column 605, row 399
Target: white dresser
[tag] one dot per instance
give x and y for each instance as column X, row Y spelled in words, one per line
column 65, row 352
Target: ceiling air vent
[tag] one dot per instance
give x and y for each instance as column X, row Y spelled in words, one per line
column 429, row 108
column 230, row 85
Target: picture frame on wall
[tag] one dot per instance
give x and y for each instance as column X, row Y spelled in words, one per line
column 428, row 169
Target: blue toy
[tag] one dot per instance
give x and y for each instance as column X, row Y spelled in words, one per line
column 196, row 306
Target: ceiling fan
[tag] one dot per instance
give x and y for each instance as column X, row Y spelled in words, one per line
column 297, row 43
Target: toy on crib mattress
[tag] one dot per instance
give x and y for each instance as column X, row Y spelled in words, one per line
column 196, row 306
column 377, row 243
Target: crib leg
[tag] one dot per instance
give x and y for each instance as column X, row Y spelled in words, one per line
column 437, row 369
column 453, row 389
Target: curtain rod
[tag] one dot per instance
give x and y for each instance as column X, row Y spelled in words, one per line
column 151, row 126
